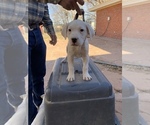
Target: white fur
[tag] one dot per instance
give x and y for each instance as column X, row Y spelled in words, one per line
column 40, row 117
column 21, row 115
column 80, row 49
column 81, row 31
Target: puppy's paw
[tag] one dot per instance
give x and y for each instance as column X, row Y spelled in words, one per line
column 87, row 77
column 70, row 77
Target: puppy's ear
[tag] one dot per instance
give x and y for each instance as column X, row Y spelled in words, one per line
column 64, row 31
column 90, row 31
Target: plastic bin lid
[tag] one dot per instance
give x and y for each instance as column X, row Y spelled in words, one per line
column 62, row 90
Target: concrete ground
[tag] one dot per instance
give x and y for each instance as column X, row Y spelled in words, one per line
column 136, row 68
column 107, row 54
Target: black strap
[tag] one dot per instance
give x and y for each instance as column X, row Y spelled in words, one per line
column 77, row 15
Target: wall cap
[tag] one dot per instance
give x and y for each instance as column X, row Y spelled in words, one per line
column 129, row 3
column 105, row 5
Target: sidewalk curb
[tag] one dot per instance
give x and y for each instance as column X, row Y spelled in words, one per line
column 141, row 67
column 107, row 63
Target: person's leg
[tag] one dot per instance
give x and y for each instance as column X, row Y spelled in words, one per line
column 32, row 110
column 37, row 68
column 16, row 67
column 6, row 111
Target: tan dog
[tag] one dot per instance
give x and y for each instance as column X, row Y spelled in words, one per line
column 77, row 33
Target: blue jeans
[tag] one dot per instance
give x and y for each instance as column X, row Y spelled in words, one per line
column 37, row 70
column 13, row 69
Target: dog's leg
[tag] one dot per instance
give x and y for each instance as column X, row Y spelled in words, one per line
column 86, row 75
column 40, row 117
column 70, row 76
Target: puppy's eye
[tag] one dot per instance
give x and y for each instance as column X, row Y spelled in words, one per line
column 69, row 30
column 81, row 30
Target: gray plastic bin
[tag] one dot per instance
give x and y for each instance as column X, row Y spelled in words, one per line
column 79, row 102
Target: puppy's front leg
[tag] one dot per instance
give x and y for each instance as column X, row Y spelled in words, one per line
column 70, row 76
column 86, row 75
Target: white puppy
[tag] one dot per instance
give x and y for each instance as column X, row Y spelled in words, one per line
column 77, row 33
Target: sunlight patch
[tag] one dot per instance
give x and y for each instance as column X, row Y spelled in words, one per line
column 126, row 52
column 94, row 51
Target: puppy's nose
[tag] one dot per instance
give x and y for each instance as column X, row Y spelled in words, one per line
column 74, row 40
